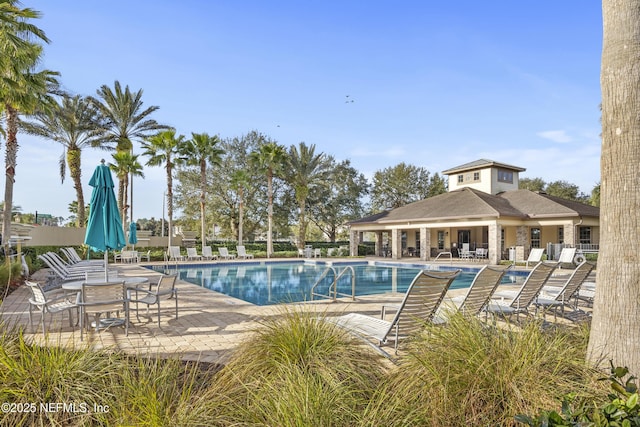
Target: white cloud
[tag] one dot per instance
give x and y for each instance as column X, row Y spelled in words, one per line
column 555, row 136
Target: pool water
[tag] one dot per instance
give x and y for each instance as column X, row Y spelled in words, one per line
column 280, row 282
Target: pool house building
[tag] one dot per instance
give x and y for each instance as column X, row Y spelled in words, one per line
column 483, row 209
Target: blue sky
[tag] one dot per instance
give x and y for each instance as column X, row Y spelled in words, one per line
column 433, row 84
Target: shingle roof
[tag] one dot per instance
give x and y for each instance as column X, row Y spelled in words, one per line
column 481, row 164
column 471, row 203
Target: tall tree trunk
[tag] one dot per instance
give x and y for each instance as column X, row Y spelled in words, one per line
column 240, row 213
column 75, row 170
column 203, row 193
column 169, row 198
column 10, row 172
column 270, row 214
column 615, row 328
column 302, row 229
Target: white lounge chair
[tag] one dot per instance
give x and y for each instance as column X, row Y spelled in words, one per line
column 174, row 254
column 192, row 254
column 207, row 253
column 418, row 307
column 566, row 256
column 535, row 256
column 503, row 305
column 242, row 253
column 224, row 253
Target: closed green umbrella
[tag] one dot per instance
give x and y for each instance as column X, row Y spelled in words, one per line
column 133, row 234
column 104, row 230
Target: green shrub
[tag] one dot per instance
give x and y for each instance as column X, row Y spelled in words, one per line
column 469, row 373
column 296, row 370
column 622, row 409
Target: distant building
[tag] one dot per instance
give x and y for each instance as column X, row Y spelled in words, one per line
column 482, row 209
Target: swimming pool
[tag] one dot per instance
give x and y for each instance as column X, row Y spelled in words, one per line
column 267, row 283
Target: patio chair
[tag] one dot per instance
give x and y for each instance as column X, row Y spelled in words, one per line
column 554, row 298
column 479, row 293
column 242, row 253
column 174, row 254
column 418, row 307
column 166, row 286
column 535, row 256
column 525, row 296
column 192, row 255
column 145, row 255
column 46, row 303
column 464, row 252
column 224, row 253
column 106, row 297
column 482, row 253
column 207, row 253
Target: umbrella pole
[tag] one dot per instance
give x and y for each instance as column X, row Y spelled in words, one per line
column 106, row 265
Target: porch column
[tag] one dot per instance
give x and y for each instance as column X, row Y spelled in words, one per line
column 378, row 243
column 353, row 242
column 396, row 244
column 570, row 234
column 425, row 244
column 495, row 249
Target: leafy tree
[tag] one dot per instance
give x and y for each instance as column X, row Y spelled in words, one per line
column 71, row 123
column 437, row 186
column 566, row 191
column 269, row 158
column 615, row 334
column 532, row 184
column 595, row 195
column 239, row 181
column 22, row 88
column 399, row 185
column 162, row 149
column 306, row 172
column 201, row 150
column 340, row 200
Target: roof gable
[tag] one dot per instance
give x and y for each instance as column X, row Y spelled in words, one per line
column 482, row 164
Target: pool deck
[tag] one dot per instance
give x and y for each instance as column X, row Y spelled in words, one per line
column 209, row 327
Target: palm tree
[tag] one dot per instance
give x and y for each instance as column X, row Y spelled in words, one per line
column 198, row 151
column 125, row 165
column 306, row 170
column 614, row 329
column 72, row 124
column 22, row 89
column 269, row 158
column 123, row 119
column 162, row 149
column 239, row 180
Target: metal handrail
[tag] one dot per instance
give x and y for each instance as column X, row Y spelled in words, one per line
column 353, row 283
column 322, row 276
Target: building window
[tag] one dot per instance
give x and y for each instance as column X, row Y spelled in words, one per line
column 476, row 176
column 460, row 179
column 560, row 234
column 585, row 235
column 502, row 239
column 505, row 176
column 440, row 239
column 535, row 237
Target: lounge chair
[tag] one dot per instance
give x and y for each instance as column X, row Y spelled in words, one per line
column 45, row 303
column 477, row 297
column 166, row 286
column 418, row 307
column 174, row 254
column 224, row 253
column 525, row 296
column 242, row 253
column 207, row 253
column 535, row 256
column 192, row 254
column 566, row 257
column 99, row 298
column 554, row 298
column 74, row 259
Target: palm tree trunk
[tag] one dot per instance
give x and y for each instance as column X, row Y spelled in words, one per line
column 10, row 172
column 270, row 214
column 169, row 198
column 615, row 334
column 75, row 170
column 302, row 229
column 203, row 190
